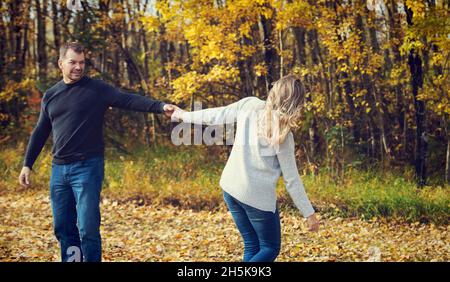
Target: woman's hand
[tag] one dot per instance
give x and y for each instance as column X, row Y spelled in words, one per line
column 313, row 223
column 178, row 114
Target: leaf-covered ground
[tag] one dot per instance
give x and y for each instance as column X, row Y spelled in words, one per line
column 132, row 232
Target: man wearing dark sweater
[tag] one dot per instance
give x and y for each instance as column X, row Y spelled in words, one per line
column 73, row 111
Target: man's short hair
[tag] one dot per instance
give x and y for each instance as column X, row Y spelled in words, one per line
column 75, row 46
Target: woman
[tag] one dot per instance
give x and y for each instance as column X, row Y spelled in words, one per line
column 263, row 149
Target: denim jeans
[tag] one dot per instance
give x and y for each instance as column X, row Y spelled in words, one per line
column 260, row 230
column 75, row 199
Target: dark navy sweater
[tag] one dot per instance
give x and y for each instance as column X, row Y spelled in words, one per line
column 74, row 113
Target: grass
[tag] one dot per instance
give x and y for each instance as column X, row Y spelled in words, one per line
column 189, row 177
column 368, row 194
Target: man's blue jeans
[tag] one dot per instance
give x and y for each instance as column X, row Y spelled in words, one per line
column 75, row 199
column 260, row 230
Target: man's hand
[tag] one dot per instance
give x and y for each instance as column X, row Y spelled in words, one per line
column 24, row 178
column 313, row 223
column 169, row 109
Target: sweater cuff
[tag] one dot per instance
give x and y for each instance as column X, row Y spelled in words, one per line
column 307, row 211
column 161, row 107
column 28, row 163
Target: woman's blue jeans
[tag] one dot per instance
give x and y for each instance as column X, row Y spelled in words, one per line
column 260, row 230
column 75, row 199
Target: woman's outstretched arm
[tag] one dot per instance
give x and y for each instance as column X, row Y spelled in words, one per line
column 213, row 116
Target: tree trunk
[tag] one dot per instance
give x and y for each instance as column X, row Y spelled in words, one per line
column 269, row 53
column 146, row 75
column 394, row 27
column 300, row 53
column 348, row 90
column 56, row 30
column 447, row 155
column 280, row 38
column 415, row 68
column 41, row 13
column 15, row 36
column 3, row 50
column 66, row 14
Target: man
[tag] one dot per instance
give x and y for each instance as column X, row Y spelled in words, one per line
column 73, row 110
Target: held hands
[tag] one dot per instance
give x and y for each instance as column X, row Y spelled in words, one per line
column 313, row 223
column 169, row 109
column 24, row 177
column 173, row 112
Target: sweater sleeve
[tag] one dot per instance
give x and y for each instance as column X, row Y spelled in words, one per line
column 293, row 182
column 215, row 116
column 119, row 99
column 38, row 137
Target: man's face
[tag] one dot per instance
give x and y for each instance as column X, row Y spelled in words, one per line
column 72, row 66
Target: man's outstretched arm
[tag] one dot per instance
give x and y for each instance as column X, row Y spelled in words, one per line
column 116, row 98
column 35, row 145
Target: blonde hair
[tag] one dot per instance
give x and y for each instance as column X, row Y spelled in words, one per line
column 282, row 110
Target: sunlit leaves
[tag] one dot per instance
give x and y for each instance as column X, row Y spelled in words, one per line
column 13, row 90
column 132, row 231
column 294, row 14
